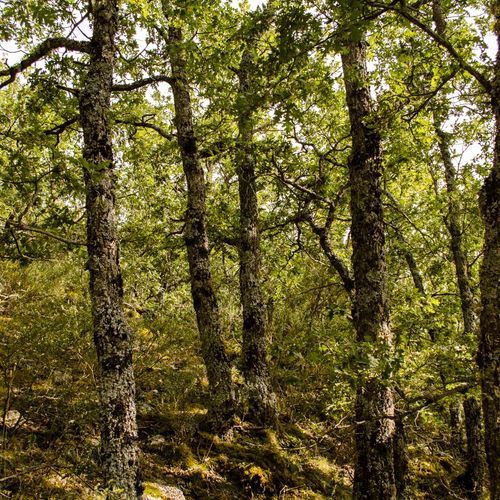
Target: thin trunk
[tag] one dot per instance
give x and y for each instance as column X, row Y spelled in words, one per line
column 452, row 221
column 489, row 345
column 222, row 400
column 474, row 474
column 374, row 476
column 416, row 276
column 401, row 460
column 474, row 466
column 453, row 225
column 112, row 335
column 255, row 366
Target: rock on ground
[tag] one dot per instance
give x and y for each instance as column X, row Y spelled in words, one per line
column 155, row 491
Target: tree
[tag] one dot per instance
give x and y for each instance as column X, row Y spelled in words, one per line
column 374, row 472
column 111, row 333
column 262, row 405
column 222, row 398
column 489, row 344
column 250, row 104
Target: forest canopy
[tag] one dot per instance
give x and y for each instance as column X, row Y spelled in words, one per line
column 249, row 250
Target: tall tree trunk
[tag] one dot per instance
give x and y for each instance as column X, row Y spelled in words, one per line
column 112, row 335
column 489, row 344
column 456, row 426
column 222, row 400
column 255, row 367
column 374, row 476
column 474, row 467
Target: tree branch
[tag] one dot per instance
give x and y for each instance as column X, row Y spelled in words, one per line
column 59, row 129
column 74, row 92
column 443, row 42
column 41, row 51
column 335, row 261
column 23, row 227
column 122, row 87
column 428, row 399
column 152, row 126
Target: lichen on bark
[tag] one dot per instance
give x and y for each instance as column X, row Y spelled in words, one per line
column 112, row 335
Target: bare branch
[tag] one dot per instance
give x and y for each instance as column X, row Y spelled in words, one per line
column 122, row 87
column 59, row 129
column 431, row 398
column 40, row 52
column 72, row 91
column 336, row 262
column 152, row 126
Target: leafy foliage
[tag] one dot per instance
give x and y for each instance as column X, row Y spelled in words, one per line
column 301, row 147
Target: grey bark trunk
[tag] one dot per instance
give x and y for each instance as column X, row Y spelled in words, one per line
column 452, row 221
column 454, row 228
column 416, row 276
column 474, row 467
column 255, row 366
column 489, row 345
column 474, row 474
column 374, row 476
column 222, row 399
column 456, row 427
column 112, row 335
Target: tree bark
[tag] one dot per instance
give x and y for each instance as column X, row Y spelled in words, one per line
column 456, row 427
column 474, row 467
column 112, row 335
column 401, row 460
column 489, row 344
column 255, row 366
column 454, row 228
column 374, row 476
column 222, row 400
column 474, row 474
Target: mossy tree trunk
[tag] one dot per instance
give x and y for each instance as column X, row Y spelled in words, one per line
column 374, row 476
column 222, row 399
column 489, row 345
column 474, row 474
column 453, row 224
column 112, row 335
column 255, row 367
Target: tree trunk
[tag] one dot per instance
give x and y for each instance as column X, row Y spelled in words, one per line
column 456, row 427
column 474, row 474
column 453, row 224
column 112, row 335
column 401, row 460
column 222, row 400
column 452, row 221
column 474, row 468
column 489, row 344
column 374, row 476
column 255, row 367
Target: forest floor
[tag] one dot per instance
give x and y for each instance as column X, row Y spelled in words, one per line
column 57, row 458
column 49, row 436
column 60, row 461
